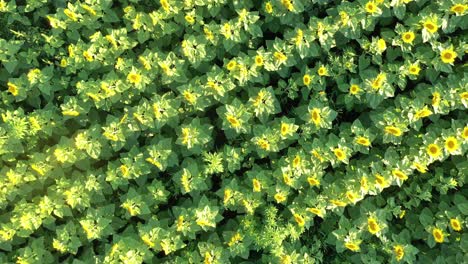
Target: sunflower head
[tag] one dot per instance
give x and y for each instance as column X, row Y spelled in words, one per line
column 13, row 89
column 420, row 167
column 433, row 150
column 315, row 116
column 258, row 60
column 269, row 8
column 373, row 225
column 322, row 71
column 339, row 154
column 256, row 185
column 399, row 252
column 414, row 69
column 352, row 246
column 371, row 7
column 134, row 78
column 392, row 130
column 231, row 65
column 306, row 79
column 448, row 55
column 455, row 224
column 399, row 174
column 430, row 26
column 465, row 133
column 451, row 144
column 299, row 219
column 458, row 9
column 354, row 89
column 438, row 235
column 363, row 141
column 408, row 37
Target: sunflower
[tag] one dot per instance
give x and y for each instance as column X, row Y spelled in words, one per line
column 315, row 116
column 134, row 78
column 399, row 174
column 420, row 167
column 227, row 195
column 297, row 161
column 465, row 133
column 226, row 31
column 448, row 55
column 280, row 57
column 258, row 60
column 338, row 203
column 269, row 8
column 299, row 37
column 372, row 225
column 392, row 130
column 208, row 34
column 430, row 26
column 257, row 186
column 13, row 89
column 424, row 112
column 352, row 197
column 285, row 128
column 438, row 235
column 458, row 9
column 363, row 141
column 63, row 63
column 378, row 81
column 263, row 144
column 165, row 5
column 399, row 252
column 287, row 4
column 339, row 154
column 455, row 224
column 313, row 181
column 344, row 17
column 464, row 96
column 189, row 96
column 371, row 7
column 231, row 65
column 88, row 9
column 236, row 238
column 234, row 121
column 380, row 181
column 279, row 197
column 88, row 55
column 70, row 14
column 190, row 19
column 322, row 71
column 299, row 219
column 433, row 150
column 381, row 45
column 354, row 89
column 435, row 99
column 124, row 169
column 364, row 183
column 414, row 69
column 352, row 246
column 408, row 37
column 451, row 144
column 316, row 211
column 306, row 79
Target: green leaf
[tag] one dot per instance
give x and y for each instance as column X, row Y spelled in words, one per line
column 463, row 207
column 426, row 217
column 10, row 65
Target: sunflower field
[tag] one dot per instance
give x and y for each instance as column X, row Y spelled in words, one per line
column 228, row 131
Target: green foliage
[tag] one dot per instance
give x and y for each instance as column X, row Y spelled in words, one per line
column 217, row 131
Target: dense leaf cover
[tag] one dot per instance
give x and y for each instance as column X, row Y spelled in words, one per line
column 218, row 131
